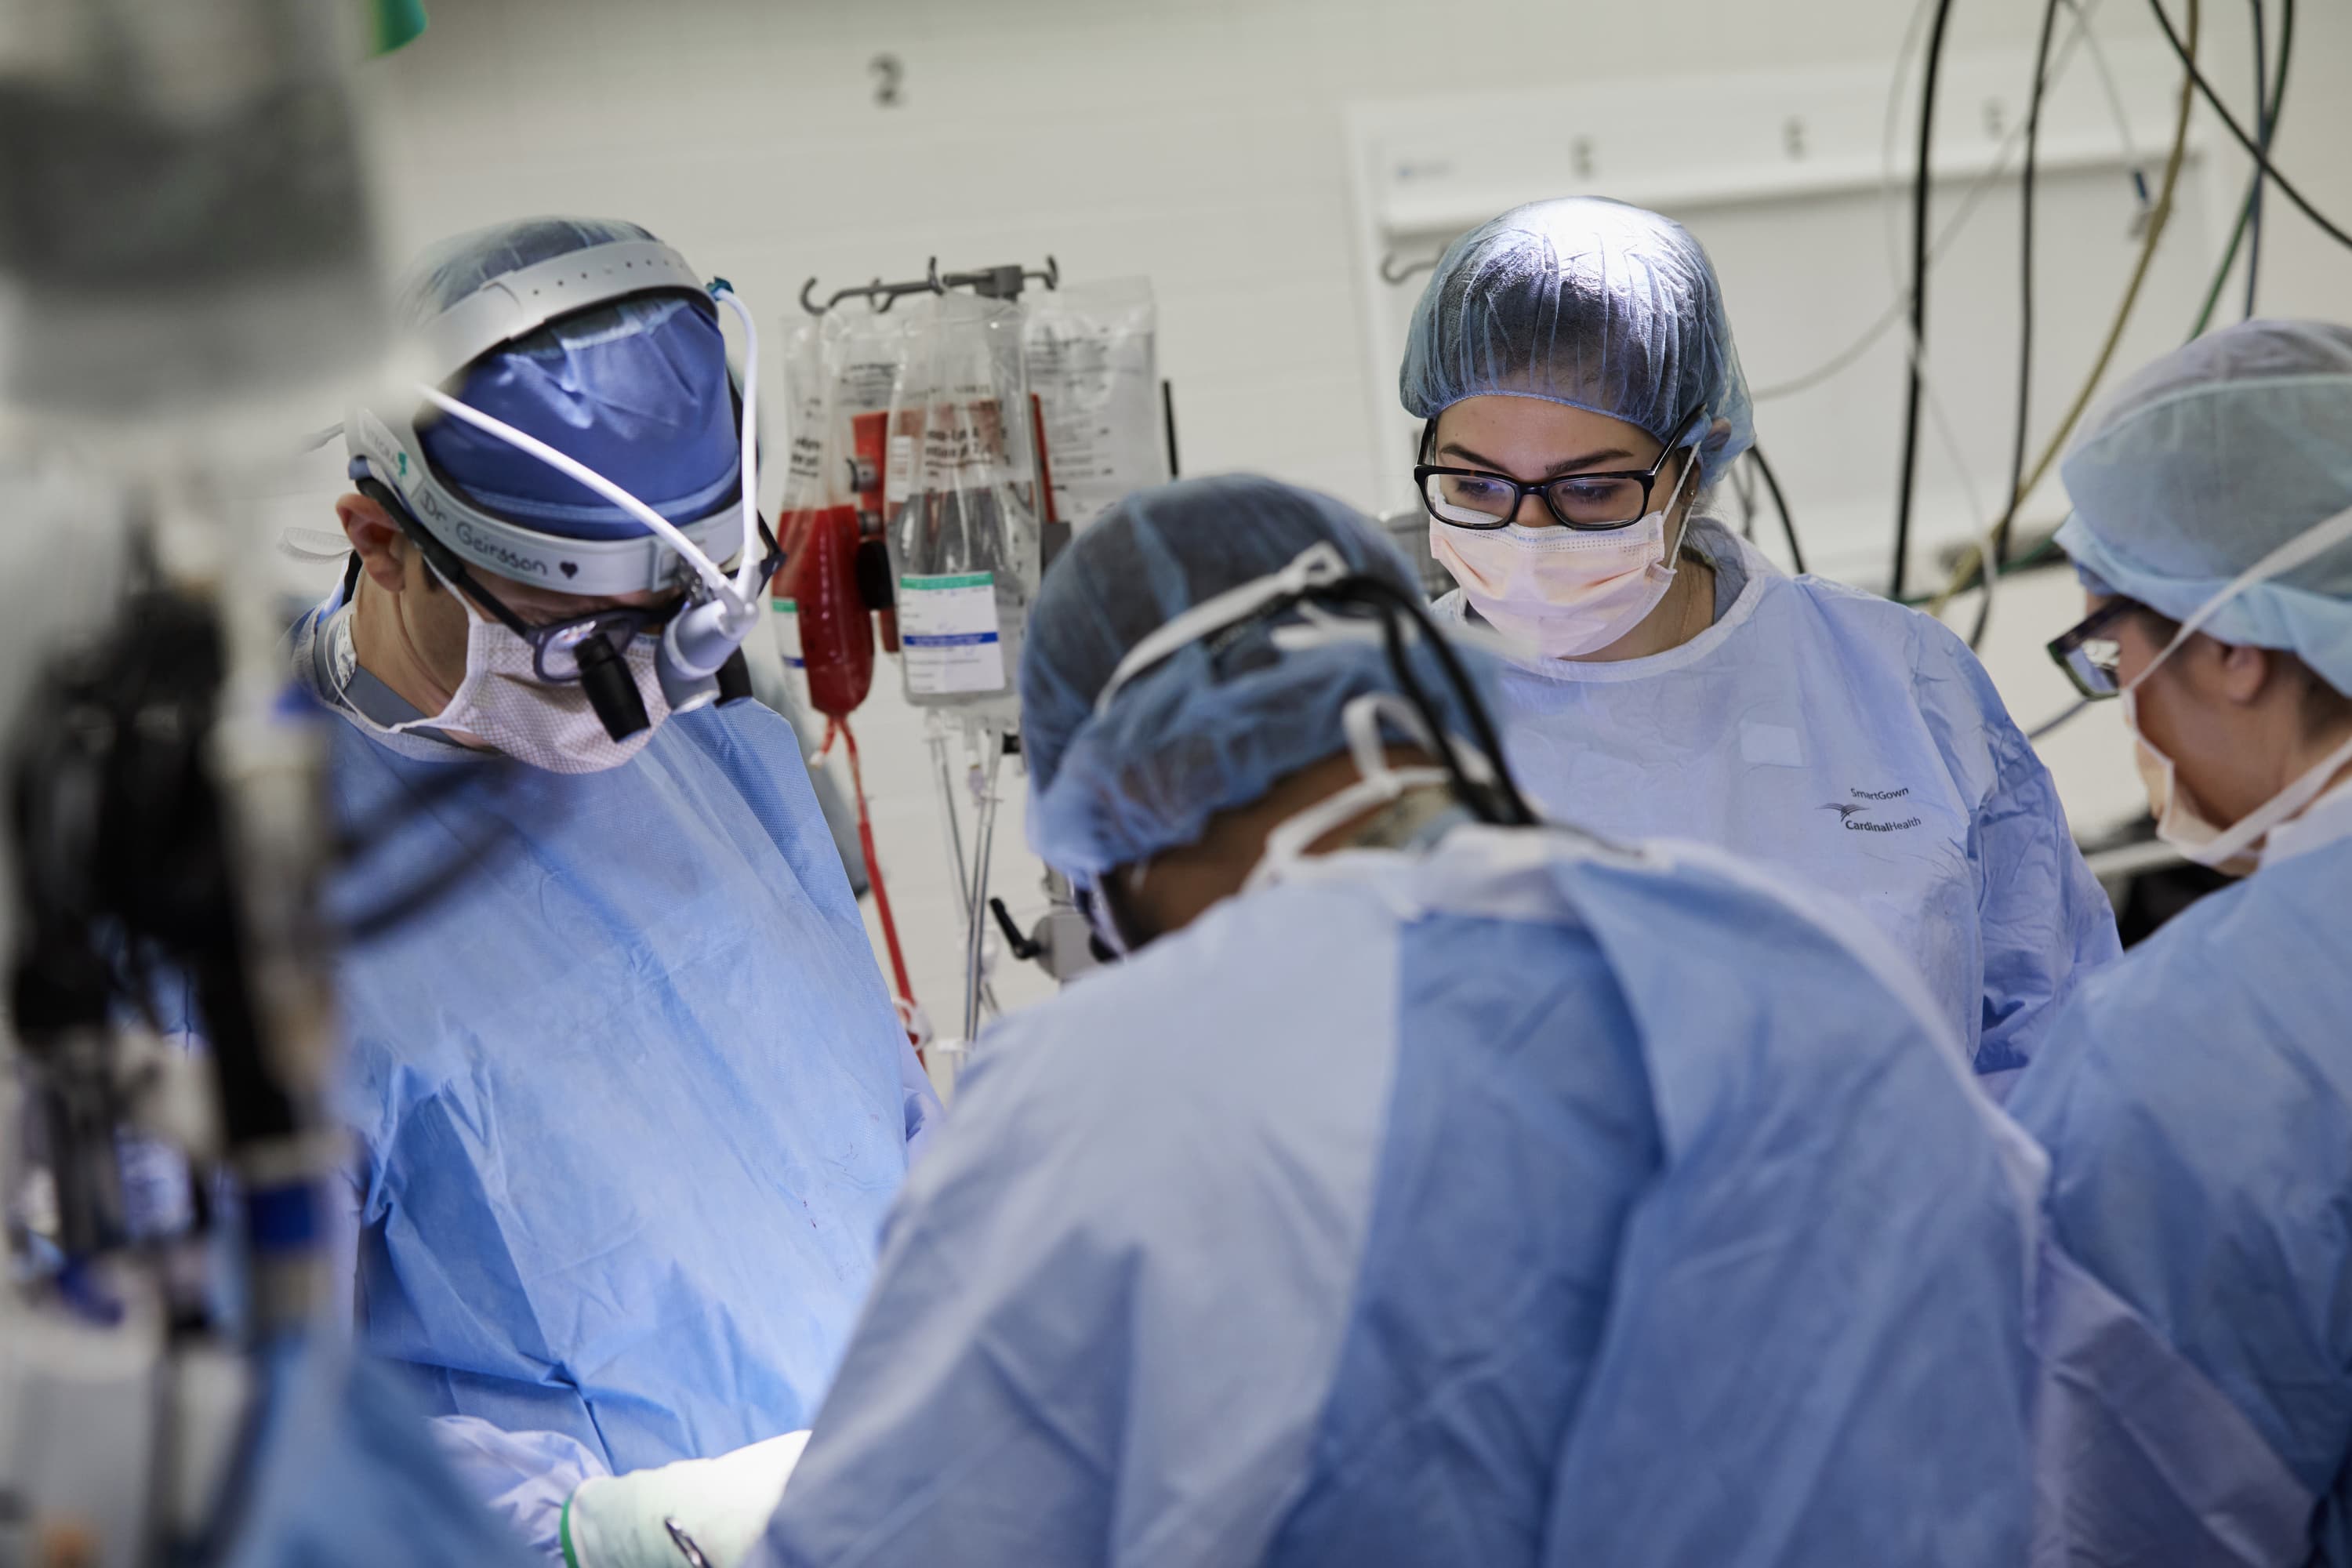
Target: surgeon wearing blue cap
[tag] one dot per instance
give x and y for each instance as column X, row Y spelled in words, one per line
column 629, row 1099
column 1575, row 365
column 1406, row 1195
column 2197, row 1100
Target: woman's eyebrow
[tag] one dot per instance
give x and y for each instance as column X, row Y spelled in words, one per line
column 1565, row 466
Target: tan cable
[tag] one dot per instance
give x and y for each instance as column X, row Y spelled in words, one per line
column 2158, row 217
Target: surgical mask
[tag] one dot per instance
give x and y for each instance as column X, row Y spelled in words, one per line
column 2180, row 818
column 501, row 703
column 2181, row 822
column 1559, row 591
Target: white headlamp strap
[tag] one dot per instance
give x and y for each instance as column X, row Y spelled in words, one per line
column 1318, row 566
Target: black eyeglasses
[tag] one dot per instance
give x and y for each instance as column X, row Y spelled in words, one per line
column 2088, row 654
column 1474, row 497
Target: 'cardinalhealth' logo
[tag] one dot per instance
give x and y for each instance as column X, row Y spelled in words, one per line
column 1855, row 818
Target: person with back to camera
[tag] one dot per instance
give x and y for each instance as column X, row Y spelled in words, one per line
column 1427, row 1184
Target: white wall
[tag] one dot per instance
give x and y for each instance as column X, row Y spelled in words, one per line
column 1199, row 141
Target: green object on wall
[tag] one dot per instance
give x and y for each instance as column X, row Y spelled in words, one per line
column 397, row 22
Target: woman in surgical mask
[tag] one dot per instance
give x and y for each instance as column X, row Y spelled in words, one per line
column 1583, row 399
column 2197, row 1099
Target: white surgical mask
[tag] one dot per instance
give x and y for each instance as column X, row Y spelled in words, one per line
column 2180, row 818
column 1558, row 590
column 501, row 703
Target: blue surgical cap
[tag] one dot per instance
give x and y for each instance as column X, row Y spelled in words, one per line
column 1217, row 723
column 637, row 389
column 1591, row 303
column 2209, row 459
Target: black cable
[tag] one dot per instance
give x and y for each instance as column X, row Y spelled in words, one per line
column 2263, row 127
column 2254, row 150
column 1904, row 485
column 2025, row 305
column 2253, row 182
column 1780, row 504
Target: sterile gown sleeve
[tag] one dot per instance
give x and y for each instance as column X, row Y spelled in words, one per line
column 525, row 1478
column 2046, row 922
column 522, row 1476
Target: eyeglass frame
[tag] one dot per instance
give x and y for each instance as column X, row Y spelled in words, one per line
column 1521, row 489
column 2064, row 647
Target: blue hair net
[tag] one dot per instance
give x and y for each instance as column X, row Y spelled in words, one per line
column 2207, row 461
column 1220, row 721
column 1591, row 303
column 637, row 389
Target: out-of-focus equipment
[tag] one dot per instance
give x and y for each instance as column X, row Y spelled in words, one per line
column 979, row 431
column 161, row 839
column 185, row 258
column 185, row 235
column 398, row 23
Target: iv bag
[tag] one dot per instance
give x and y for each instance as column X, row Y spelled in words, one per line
column 865, row 357
column 964, row 541
column 1093, row 364
column 809, row 404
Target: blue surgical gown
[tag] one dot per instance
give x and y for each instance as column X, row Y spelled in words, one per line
column 2197, row 1105
column 1848, row 742
column 627, row 1096
column 1496, row 1204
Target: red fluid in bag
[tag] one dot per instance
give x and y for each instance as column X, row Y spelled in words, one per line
column 837, row 632
column 837, row 655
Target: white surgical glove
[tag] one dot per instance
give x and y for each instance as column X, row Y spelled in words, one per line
column 723, row 1504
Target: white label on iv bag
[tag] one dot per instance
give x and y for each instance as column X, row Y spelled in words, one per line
column 947, row 631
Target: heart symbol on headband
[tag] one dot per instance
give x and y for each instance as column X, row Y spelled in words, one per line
column 570, row 568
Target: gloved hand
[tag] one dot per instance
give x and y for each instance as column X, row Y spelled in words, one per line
column 723, row 1504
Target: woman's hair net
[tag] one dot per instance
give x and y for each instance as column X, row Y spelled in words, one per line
column 1587, row 302
column 1218, row 723
column 2207, row 461
column 635, row 388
